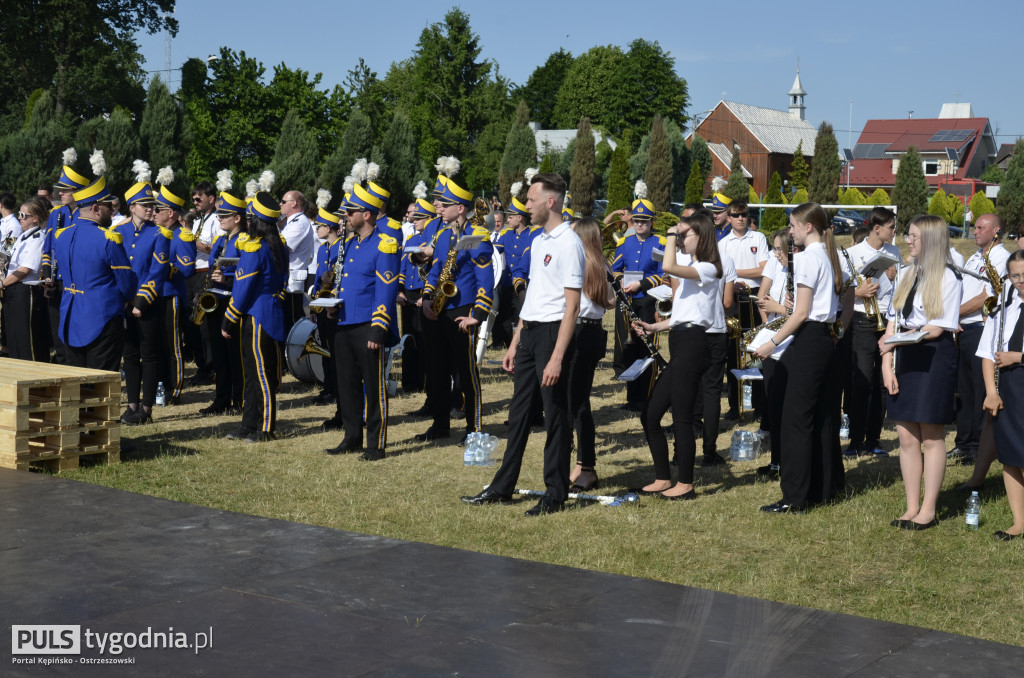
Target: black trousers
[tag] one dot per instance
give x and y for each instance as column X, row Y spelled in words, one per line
column 142, row 341
column 970, row 387
column 844, row 364
column 775, row 390
column 629, row 348
column 325, row 330
column 591, row 342
column 261, row 365
column 812, row 461
column 455, row 356
column 678, row 387
column 104, row 352
column 197, row 338
column 28, row 324
column 709, row 406
column 172, row 364
column 227, row 359
column 360, row 377
column 293, row 303
column 508, row 316
column 53, row 310
column 866, row 406
column 536, row 344
column 412, row 353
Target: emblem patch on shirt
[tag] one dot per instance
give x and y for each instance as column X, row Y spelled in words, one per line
column 753, row 249
column 547, row 259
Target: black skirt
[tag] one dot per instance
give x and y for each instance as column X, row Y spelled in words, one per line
column 1009, row 425
column 927, row 379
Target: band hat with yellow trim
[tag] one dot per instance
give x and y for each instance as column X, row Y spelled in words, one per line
column 439, row 185
column 325, row 218
column 377, row 190
column 70, row 180
column 95, row 192
column 568, row 214
column 361, row 200
column 453, row 194
column 517, row 207
column 720, row 202
column 168, row 199
column 424, row 210
column 265, row 208
column 140, row 194
column 344, row 201
column 228, row 205
column 643, row 209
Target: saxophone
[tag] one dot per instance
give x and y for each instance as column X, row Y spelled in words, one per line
column 776, row 323
column 996, row 281
column 7, row 250
column 330, row 277
column 206, row 301
column 446, row 287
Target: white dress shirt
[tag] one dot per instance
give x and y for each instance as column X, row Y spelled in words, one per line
column 973, row 287
column 812, row 268
column 860, row 254
column 205, row 228
column 746, row 251
column 298, row 234
column 557, row 262
column 952, row 293
column 27, row 253
column 987, row 346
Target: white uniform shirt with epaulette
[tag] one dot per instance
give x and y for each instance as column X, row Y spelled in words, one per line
column 298, row 234
column 973, row 287
column 27, row 253
column 9, row 226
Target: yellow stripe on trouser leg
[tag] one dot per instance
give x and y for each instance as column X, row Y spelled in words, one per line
column 261, row 372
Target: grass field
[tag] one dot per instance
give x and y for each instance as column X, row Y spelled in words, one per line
column 843, row 557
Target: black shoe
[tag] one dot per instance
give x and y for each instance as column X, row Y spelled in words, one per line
column 461, row 442
column 332, row 424
column 488, row 496
column 423, row 411
column 172, row 400
column 324, row 398
column 372, row 455
column 644, row 493
column 955, row 453
column 259, row 437
column 686, row 496
column 713, row 459
column 202, row 379
column 782, row 507
column 241, row 433
column 214, row 409
column 768, row 471
column 345, row 446
column 965, row 460
column 898, row 522
column 917, row 527
column 1004, row 536
column 731, row 415
column 126, row 416
column 854, row 451
column 545, row 505
column 432, row 434
column 138, row 417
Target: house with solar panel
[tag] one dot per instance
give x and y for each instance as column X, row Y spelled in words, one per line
column 767, row 138
column 955, row 149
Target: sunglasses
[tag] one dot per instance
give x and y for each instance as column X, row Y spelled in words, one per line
column 24, row 215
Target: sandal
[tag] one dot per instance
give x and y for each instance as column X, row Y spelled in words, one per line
column 577, row 486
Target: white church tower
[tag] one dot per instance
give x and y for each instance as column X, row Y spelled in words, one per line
column 796, row 97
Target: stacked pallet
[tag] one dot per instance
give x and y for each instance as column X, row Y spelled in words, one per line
column 53, row 415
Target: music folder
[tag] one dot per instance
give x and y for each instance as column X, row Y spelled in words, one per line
column 878, row 264
column 636, row 369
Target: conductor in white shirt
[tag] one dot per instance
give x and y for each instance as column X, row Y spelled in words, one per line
column 298, row 234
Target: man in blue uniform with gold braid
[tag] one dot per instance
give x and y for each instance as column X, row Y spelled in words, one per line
column 636, row 255
column 97, row 282
column 410, row 288
column 256, row 315
column 147, row 246
column 367, row 288
column 459, row 320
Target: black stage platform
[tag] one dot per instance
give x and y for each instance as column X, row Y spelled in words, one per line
column 284, row 599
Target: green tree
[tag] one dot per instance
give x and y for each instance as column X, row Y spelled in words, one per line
column 980, row 204
column 879, row 198
column 910, row 192
column 702, row 154
column 993, row 174
column 295, row 157
column 852, row 196
column 120, row 144
column 585, row 89
column 823, row 182
column 563, row 160
column 357, row 143
column 160, row 128
column 800, row 197
column 937, row 205
column 520, row 153
column 541, row 90
column 798, row 171
column 644, row 85
column 399, row 161
column 1011, row 191
column 547, row 164
column 32, row 156
column 620, row 193
column 658, row 176
column 602, row 161
column 752, row 196
column 582, row 186
column 680, row 156
column 694, row 185
column 737, row 188
column 774, row 218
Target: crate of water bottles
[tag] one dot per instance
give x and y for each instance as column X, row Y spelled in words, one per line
column 480, row 449
column 745, row 445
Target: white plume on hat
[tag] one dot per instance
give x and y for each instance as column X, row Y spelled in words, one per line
column 323, row 198
column 717, row 184
column 640, row 190
column 516, row 188
column 98, row 162
column 372, row 171
column 224, row 180
column 420, row 192
column 251, row 187
column 165, row 176
column 267, row 180
column 142, row 171
column 359, row 170
column 451, row 166
column 350, row 182
column 70, row 156
column 529, row 174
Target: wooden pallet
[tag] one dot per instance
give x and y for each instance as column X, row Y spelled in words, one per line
column 51, row 415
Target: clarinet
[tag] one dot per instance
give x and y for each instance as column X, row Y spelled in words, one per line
column 632, row 319
column 1003, row 308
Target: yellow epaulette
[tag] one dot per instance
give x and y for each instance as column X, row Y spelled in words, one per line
column 166, row 232
column 250, row 245
column 535, row 228
column 284, row 241
column 54, row 209
column 112, row 235
column 480, row 230
column 661, row 239
column 387, row 244
column 186, row 235
column 60, row 230
column 241, row 239
column 503, row 231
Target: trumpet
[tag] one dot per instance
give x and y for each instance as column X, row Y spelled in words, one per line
column 871, row 309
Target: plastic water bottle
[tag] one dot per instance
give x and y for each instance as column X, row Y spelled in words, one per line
column 844, row 428
column 735, row 444
column 748, row 396
column 490, row 445
column 469, row 455
column 161, row 395
column 973, row 510
column 481, row 449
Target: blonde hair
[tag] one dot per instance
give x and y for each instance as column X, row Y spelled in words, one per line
column 930, row 265
column 595, row 274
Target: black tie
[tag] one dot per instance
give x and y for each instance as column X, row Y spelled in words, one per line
column 1017, row 336
column 908, row 305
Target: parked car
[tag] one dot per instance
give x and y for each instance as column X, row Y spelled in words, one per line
column 955, row 231
column 846, row 220
column 600, row 206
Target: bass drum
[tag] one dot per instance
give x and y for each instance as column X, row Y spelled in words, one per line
column 308, row 368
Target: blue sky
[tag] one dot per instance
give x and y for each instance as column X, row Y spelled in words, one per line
column 888, row 57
